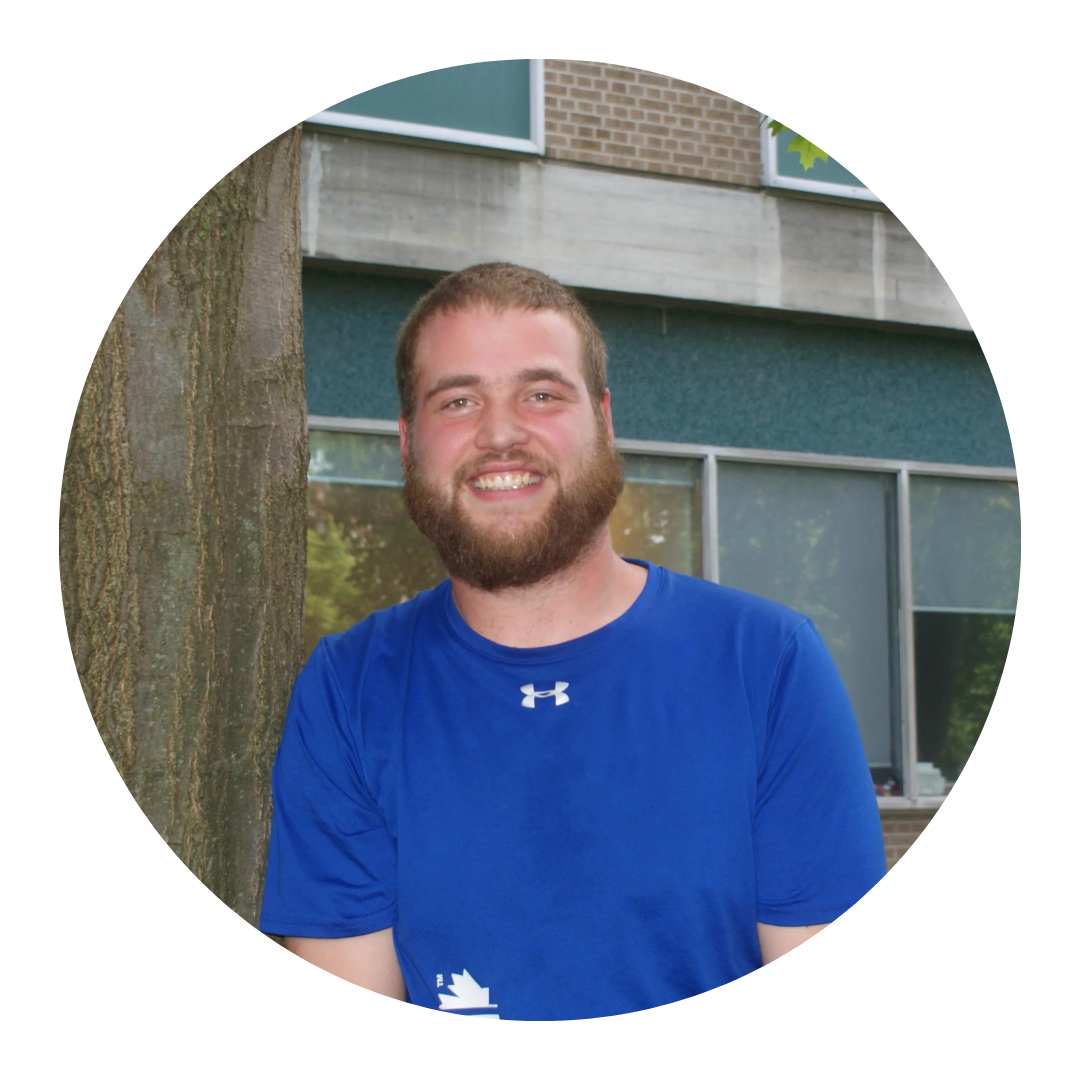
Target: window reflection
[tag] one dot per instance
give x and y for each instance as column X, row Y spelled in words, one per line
column 965, row 572
column 658, row 518
column 958, row 663
column 819, row 541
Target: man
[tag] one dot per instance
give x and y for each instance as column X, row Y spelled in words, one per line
column 560, row 784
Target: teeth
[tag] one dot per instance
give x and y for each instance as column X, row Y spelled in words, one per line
column 505, row 481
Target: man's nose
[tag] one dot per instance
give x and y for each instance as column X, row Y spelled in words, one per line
column 500, row 428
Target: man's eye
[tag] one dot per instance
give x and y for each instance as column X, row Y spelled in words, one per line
column 542, row 396
column 457, row 403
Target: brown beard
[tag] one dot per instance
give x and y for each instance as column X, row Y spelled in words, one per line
column 492, row 558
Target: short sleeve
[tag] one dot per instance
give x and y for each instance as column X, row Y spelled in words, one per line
column 818, row 845
column 332, row 862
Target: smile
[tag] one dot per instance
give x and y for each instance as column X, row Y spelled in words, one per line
column 509, row 481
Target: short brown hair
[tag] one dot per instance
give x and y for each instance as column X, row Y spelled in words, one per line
column 500, row 286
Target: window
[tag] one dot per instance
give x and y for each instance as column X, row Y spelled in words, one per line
column 658, row 517
column 781, row 168
column 909, row 572
column 364, row 552
column 965, row 555
column 497, row 104
column 820, row 541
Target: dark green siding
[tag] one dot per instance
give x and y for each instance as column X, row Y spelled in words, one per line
column 712, row 377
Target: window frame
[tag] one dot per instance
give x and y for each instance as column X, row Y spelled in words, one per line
column 772, row 178
column 432, row 132
column 708, row 455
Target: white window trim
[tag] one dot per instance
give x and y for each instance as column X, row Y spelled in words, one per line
column 533, row 145
column 710, row 531
column 772, row 178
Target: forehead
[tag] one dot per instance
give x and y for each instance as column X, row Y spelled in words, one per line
column 480, row 341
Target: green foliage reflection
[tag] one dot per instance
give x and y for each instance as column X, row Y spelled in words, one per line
column 364, row 554
column 959, row 658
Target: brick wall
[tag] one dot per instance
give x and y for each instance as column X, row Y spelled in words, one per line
column 902, row 829
column 624, row 118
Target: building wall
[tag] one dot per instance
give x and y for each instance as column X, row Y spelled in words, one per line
column 377, row 202
column 901, row 829
column 695, row 375
column 625, row 118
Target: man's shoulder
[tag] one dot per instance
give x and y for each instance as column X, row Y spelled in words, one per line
column 698, row 602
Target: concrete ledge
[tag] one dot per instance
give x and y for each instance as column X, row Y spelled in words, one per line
column 421, row 207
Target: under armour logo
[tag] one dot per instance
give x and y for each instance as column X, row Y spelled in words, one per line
column 531, row 694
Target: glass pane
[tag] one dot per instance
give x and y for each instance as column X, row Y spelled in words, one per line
column 831, row 171
column 658, row 517
column 817, row 540
column 490, row 97
column 364, row 552
column 344, row 457
column 958, row 664
column 965, row 544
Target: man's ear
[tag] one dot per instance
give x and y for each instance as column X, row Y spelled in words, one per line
column 403, row 438
column 605, row 408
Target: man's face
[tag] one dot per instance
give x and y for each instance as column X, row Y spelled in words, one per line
column 510, row 468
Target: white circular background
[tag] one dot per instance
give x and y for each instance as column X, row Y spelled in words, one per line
column 120, row 118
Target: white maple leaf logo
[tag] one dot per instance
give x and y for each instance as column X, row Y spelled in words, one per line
column 466, row 993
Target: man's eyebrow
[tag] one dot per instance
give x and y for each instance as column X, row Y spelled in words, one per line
column 452, row 382
column 544, row 374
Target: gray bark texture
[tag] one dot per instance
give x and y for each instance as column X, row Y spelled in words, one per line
column 182, row 522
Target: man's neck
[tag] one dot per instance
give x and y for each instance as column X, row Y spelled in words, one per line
column 593, row 591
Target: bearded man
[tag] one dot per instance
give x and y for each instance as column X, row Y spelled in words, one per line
column 561, row 784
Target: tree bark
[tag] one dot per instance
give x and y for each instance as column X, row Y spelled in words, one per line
column 182, row 522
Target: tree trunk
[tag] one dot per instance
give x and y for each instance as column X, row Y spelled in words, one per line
column 182, row 522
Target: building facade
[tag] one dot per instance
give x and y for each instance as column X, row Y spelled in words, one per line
column 803, row 408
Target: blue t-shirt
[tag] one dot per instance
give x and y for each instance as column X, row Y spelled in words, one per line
column 576, row 830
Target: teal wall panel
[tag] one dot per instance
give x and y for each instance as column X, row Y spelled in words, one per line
column 491, row 97
column 698, row 376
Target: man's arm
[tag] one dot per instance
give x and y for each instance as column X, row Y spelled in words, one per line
column 777, row 940
column 368, row 960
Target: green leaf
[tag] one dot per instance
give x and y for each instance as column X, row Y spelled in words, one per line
column 807, row 151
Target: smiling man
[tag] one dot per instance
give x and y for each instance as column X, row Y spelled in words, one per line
column 561, row 784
